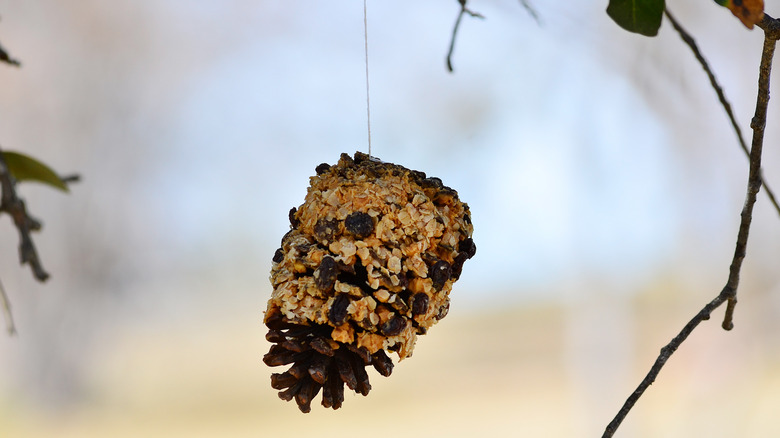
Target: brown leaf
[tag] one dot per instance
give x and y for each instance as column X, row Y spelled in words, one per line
column 750, row 12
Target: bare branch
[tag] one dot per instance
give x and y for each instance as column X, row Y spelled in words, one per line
column 729, row 292
column 666, row 353
column 688, row 39
column 758, row 124
column 11, row 204
column 531, row 11
column 463, row 10
column 10, row 327
column 770, row 26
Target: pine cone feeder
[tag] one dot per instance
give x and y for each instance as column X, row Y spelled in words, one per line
column 368, row 265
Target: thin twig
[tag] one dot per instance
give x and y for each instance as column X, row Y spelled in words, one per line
column 729, row 292
column 666, row 352
column 69, row 179
column 463, row 10
column 10, row 327
column 531, row 11
column 688, row 39
column 4, row 57
column 758, row 124
column 11, row 204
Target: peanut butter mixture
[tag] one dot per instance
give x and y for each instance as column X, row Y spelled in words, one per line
column 368, row 265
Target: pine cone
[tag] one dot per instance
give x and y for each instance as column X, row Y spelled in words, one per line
column 368, row 265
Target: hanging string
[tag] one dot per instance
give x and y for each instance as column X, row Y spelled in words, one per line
column 368, row 99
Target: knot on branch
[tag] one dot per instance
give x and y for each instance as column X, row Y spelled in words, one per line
column 770, row 26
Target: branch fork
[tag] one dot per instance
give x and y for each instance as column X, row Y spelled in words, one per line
column 728, row 294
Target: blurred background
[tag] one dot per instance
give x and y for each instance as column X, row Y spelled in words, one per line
column 604, row 180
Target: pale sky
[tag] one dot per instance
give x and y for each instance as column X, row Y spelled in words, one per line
column 589, row 157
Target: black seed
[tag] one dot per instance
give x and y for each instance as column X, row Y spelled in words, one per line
column 400, row 301
column 322, row 168
column 457, row 265
column 416, row 174
column 350, row 269
column 325, row 274
column 445, row 196
column 440, row 272
column 348, row 162
column 431, row 182
column 403, row 281
column 356, row 275
column 420, row 304
column 286, row 235
column 338, row 310
column 294, row 222
column 443, row 310
column 393, row 326
column 360, row 224
column 326, row 229
column 467, row 219
column 278, row 256
column 372, row 172
column 467, row 246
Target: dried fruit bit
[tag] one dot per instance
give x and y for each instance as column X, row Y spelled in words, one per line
column 338, row 310
column 420, row 304
column 393, row 326
column 294, row 222
column 440, row 272
column 366, row 268
column 325, row 274
column 467, row 246
column 359, row 224
column 326, row 230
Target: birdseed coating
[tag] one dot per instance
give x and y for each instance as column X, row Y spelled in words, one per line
column 368, row 265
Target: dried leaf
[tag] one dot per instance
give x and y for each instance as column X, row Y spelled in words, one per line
column 749, row 12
